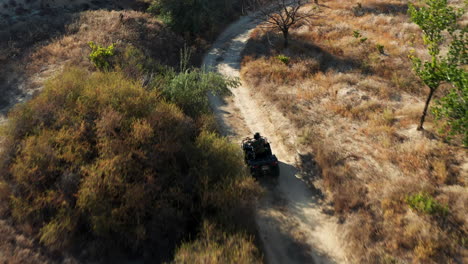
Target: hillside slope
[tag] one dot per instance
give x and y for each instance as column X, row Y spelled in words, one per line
column 39, row 49
column 354, row 105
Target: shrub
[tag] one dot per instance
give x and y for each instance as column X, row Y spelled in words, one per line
column 358, row 10
column 97, row 158
column 133, row 62
column 223, row 184
column 357, row 34
column 380, row 48
column 4, row 197
column 100, row 56
column 215, row 246
column 425, row 203
column 283, row 58
column 189, row 90
column 388, row 117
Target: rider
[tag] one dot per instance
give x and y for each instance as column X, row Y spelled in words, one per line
column 258, row 145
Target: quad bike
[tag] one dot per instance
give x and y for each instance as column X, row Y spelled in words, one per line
column 260, row 165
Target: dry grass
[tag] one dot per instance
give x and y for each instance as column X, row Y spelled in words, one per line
column 40, row 23
column 4, row 197
column 105, row 28
column 357, row 110
column 40, row 47
column 17, row 248
column 216, row 246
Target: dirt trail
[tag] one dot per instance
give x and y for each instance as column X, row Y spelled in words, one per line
column 292, row 225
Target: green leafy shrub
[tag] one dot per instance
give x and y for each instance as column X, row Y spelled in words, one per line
column 357, row 34
column 380, row 48
column 101, row 56
column 283, row 58
column 189, row 90
column 454, row 109
column 425, row 203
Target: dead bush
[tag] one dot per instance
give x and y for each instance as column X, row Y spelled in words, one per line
column 216, row 246
column 98, row 150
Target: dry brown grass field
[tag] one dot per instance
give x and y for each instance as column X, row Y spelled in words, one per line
column 356, row 109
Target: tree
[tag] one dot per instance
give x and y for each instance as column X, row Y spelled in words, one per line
column 197, row 17
column 434, row 19
column 281, row 14
column 453, row 107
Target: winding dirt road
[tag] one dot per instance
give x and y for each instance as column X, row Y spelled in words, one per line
column 292, row 225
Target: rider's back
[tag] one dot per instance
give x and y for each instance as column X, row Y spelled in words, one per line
column 259, row 146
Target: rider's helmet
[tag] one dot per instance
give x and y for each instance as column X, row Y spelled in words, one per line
column 257, row 136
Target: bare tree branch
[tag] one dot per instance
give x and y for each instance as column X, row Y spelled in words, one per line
column 281, row 14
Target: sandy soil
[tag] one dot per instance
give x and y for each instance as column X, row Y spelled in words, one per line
column 291, row 218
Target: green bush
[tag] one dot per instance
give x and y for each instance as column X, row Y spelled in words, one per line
column 380, row 48
column 283, row 58
column 101, row 56
column 425, row 203
column 453, row 109
column 98, row 158
column 357, row 34
column 189, row 90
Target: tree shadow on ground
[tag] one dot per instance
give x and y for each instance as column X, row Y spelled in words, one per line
column 17, row 40
column 289, row 200
column 310, row 172
column 271, row 44
column 381, row 8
